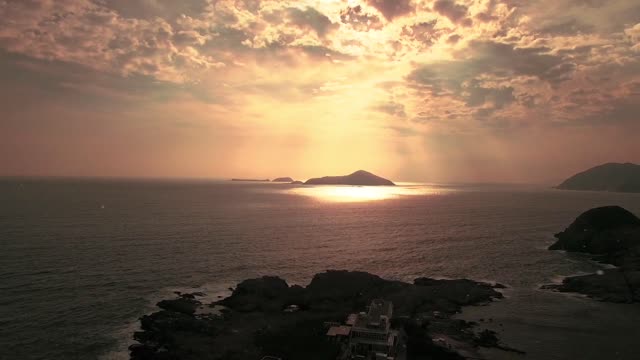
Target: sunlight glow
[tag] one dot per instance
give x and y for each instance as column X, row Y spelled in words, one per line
column 361, row 193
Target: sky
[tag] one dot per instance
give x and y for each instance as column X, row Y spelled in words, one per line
column 412, row 90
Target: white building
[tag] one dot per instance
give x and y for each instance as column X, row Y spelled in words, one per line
column 371, row 336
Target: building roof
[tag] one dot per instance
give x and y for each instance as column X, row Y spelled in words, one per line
column 377, row 319
column 380, row 308
column 341, row 330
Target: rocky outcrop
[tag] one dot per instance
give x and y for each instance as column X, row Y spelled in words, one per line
column 607, row 177
column 254, row 323
column 359, row 177
column 602, row 230
column 611, row 235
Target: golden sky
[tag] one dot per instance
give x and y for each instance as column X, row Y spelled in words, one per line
column 444, row 90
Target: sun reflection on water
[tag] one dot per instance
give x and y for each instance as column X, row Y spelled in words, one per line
column 345, row 193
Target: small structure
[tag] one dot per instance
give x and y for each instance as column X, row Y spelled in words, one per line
column 368, row 335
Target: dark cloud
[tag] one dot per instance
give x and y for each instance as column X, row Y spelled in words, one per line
column 590, row 3
column 506, row 59
column 474, row 94
column 567, row 27
column 453, row 39
column 310, row 18
column 471, row 80
column 359, row 19
column 455, row 12
column 424, row 32
column 145, row 9
column 392, row 108
column 188, row 37
column 485, row 17
column 392, row 8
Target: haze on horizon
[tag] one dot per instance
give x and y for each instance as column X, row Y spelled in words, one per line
column 434, row 90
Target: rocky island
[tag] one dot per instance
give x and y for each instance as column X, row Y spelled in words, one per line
column 610, row 234
column 250, row 180
column 607, row 177
column 267, row 317
column 283, row 179
column 359, row 177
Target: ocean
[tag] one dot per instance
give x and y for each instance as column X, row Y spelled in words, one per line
column 82, row 259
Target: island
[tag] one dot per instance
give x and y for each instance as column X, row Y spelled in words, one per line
column 251, row 180
column 339, row 313
column 607, row 177
column 611, row 235
column 359, row 177
column 283, row 180
column 297, row 182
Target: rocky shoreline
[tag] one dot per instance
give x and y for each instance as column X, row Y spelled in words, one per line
column 267, row 317
column 611, row 235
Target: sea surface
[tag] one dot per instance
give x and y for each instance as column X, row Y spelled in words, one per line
column 81, row 259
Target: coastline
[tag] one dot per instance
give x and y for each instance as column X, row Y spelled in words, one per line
column 329, row 296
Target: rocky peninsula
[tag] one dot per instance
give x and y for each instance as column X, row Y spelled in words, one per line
column 607, row 177
column 268, row 317
column 611, row 235
column 359, row 177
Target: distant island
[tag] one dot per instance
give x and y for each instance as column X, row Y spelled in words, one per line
column 264, row 180
column 359, row 177
column 283, row 179
column 612, row 235
column 607, row 177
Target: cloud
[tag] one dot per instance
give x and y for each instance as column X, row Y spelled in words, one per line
column 424, row 32
column 149, row 9
column 455, row 12
column 392, row 108
column 453, row 39
column 82, row 32
column 359, row 19
column 391, row 9
column 488, row 77
column 311, row 18
column 633, row 33
column 496, row 59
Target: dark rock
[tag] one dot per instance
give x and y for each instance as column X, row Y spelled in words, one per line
column 184, row 304
column 265, row 293
column 489, row 338
column 142, row 352
column 606, row 177
column 612, row 234
column 600, row 230
column 612, row 285
column 359, row 177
